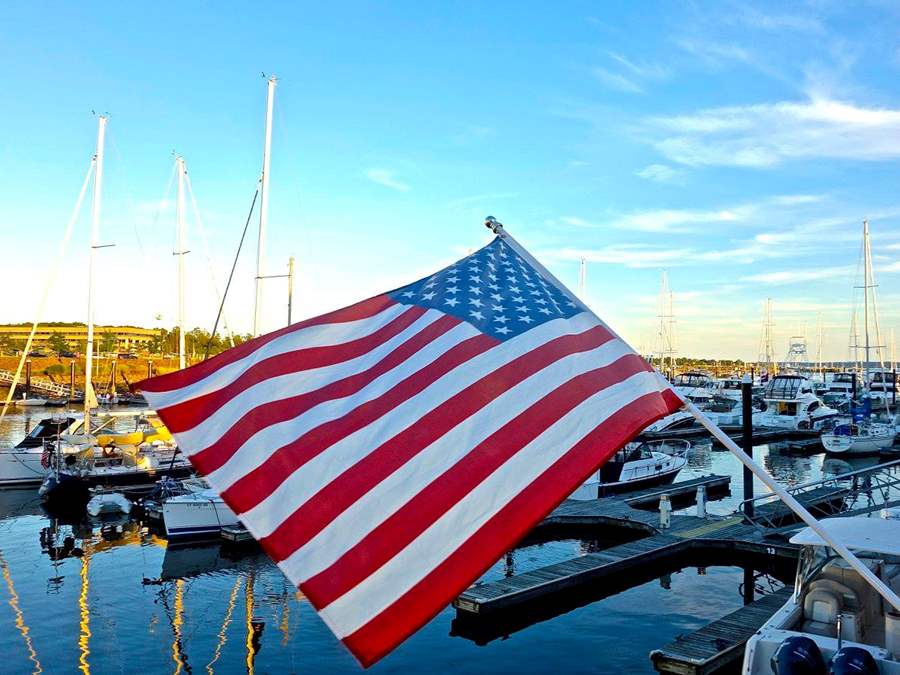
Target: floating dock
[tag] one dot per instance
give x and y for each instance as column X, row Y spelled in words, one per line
column 499, row 608
column 720, row 644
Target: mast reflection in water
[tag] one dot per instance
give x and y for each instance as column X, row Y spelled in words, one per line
column 104, row 596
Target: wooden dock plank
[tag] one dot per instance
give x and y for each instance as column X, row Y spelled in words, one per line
column 719, row 643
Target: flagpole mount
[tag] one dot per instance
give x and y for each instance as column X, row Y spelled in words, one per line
column 495, row 226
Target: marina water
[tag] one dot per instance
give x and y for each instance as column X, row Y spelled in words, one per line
column 111, row 596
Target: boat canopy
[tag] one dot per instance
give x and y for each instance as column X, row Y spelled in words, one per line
column 787, row 387
column 877, row 535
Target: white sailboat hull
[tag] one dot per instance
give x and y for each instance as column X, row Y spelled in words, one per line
column 854, row 445
column 196, row 514
column 21, row 467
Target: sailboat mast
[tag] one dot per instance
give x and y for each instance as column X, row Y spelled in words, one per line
column 263, row 206
column 179, row 162
column 95, row 227
column 582, row 279
column 866, row 254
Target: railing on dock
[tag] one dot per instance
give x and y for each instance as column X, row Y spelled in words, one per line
column 852, row 493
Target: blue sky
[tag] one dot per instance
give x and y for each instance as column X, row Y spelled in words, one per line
column 737, row 146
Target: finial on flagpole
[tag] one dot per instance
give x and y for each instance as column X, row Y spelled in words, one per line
column 495, row 225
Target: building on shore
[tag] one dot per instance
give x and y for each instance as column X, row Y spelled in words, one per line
column 127, row 338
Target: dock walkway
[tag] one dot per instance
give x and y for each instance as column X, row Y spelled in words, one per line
column 720, row 643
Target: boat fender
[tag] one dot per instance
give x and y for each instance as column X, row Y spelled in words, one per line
column 798, row 655
column 853, row 661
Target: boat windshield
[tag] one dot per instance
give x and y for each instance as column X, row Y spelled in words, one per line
column 731, row 384
column 843, row 378
column 814, row 559
column 692, row 380
column 784, row 387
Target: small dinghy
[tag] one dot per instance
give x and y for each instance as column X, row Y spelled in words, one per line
column 108, row 502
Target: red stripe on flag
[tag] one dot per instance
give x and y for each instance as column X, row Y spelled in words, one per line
column 476, row 555
column 267, row 414
column 188, row 414
column 295, row 454
column 305, row 522
column 435, row 499
column 188, row 376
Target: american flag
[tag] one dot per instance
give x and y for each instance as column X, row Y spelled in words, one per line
column 385, row 455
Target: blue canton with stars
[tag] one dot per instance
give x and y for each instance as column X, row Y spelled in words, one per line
column 493, row 289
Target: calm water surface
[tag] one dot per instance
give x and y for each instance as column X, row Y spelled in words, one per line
column 112, row 597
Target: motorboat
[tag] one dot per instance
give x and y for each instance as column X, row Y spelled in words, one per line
column 29, row 401
column 677, row 421
column 634, row 467
column 883, row 385
column 196, row 514
column 842, row 383
column 789, row 403
column 859, row 438
column 730, row 387
column 834, row 615
column 695, row 386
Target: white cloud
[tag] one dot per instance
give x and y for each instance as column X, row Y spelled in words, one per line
column 768, row 134
column 640, row 69
column 661, row 173
column 797, row 276
column 617, row 81
column 629, row 255
column 386, row 178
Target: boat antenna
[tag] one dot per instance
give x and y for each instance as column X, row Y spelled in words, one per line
column 263, row 204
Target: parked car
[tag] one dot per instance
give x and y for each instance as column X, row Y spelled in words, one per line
column 36, row 355
column 68, row 355
column 127, row 355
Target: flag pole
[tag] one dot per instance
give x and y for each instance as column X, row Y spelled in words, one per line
column 764, row 476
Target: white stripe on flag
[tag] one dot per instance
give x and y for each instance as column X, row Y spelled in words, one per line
column 326, row 466
column 259, row 447
column 322, row 335
column 211, row 429
column 377, row 592
column 345, row 531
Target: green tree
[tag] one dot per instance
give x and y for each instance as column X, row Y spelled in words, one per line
column 57, row 343
column 54, row 371
column 108, row 342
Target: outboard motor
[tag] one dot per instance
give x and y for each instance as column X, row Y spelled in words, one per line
column 798, row 655
column 853, row 661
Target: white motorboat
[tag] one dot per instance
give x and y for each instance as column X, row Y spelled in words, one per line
column 859, row 438
column 636, row 466
column 196, row 514
column 695, row 386
column 29, row 401
column 789, row 403
column 841, row 383
column 883, row 385
column 730, row 387
column 678, row 420
column 834, row 616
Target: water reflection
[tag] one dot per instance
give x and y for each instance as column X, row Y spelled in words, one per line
column 111, row 595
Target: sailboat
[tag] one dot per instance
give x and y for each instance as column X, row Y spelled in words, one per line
column 81, row 461
column 203, row 512
column 863, row 435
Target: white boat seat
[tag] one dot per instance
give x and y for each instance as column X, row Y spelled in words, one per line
column 824, row 600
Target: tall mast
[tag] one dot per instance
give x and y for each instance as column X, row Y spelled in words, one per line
column 263, row 206
column 582, row 279
column 95, row 227
column 179, row 162
column 290, row 287
column 866, row 255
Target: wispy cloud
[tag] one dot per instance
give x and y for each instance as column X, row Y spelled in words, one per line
column 628, row 75
column 770, row 21
column 766, row 135
column 480, row 199
column 661, row 173
column 386, row 178
column 798, row 276
column 617, row 81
